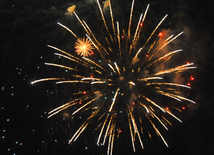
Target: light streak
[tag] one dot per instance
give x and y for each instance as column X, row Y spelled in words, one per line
column 112, row 104
column 118, row 37
column 151, row 35
column 46, row 79
column 130, row 19
column 67, row 29
column 61, row 66
column 103, row 18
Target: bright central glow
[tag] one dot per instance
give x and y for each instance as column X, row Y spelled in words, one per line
column 83, row 47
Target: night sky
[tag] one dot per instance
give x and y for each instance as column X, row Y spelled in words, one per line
column 28, row 26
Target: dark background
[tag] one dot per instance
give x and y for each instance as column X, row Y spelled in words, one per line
column 27, row 26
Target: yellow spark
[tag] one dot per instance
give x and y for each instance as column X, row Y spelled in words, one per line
column 89, row 60
column 163, row 57
column 158, row 133
column 111, row 67
column 98, row 72
column 70, row 55
column 81, row 22
column 83, row 47
column 110, row 139
column 104, row 21
column 89, row 78
column 67, row 29
column 171, row 40
column 151, row 35
column 72, row 81
column 170, row 84
column 97, row 82
column 79, row 130
column 132, row 83
column 108, row 127
column 154, row 104
column 112, row 19
column 147, row 110
column 179, row 68
column 183, row 98
column 92, row 33
column 135, row 128
column 118, row 37
column 74, row 60
column 118, row 69
column 57, row 65
column 173, row 115
column 131, row 132
column 138, row 34
column 69, row 103
column 168, row 94
column 86, row 104
column 78, row 76
column 167, row 121
column 98, row 140
column 136, row 31
column 46, row 79
column 101, row 117
column 177, row 109
column 130, row 19
column 159, row 120
column 114, row 99
column 150, row 78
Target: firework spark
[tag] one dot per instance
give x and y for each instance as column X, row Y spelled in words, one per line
column 83, row 47
column 122, row 87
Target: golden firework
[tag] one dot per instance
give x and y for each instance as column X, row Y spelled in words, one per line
column 122, row 89
column 83, row 47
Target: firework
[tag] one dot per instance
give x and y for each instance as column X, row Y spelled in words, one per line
column 125, row 79
column 83, row 47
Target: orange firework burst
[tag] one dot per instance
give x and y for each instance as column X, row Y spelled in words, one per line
column 83, row 47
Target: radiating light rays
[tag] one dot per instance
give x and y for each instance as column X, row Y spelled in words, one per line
column 117, row 80
column 151, row 35
column 165, row 56
column 138, row 29
column 83, row 47
column 87, row 104
column 176, row 69
column 103, row 18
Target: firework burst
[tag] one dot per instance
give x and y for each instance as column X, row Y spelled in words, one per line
column 125, row 82
column 83, row 47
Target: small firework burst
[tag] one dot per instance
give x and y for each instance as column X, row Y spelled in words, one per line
column 83, row 47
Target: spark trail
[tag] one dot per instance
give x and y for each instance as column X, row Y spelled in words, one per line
column 120, row 80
